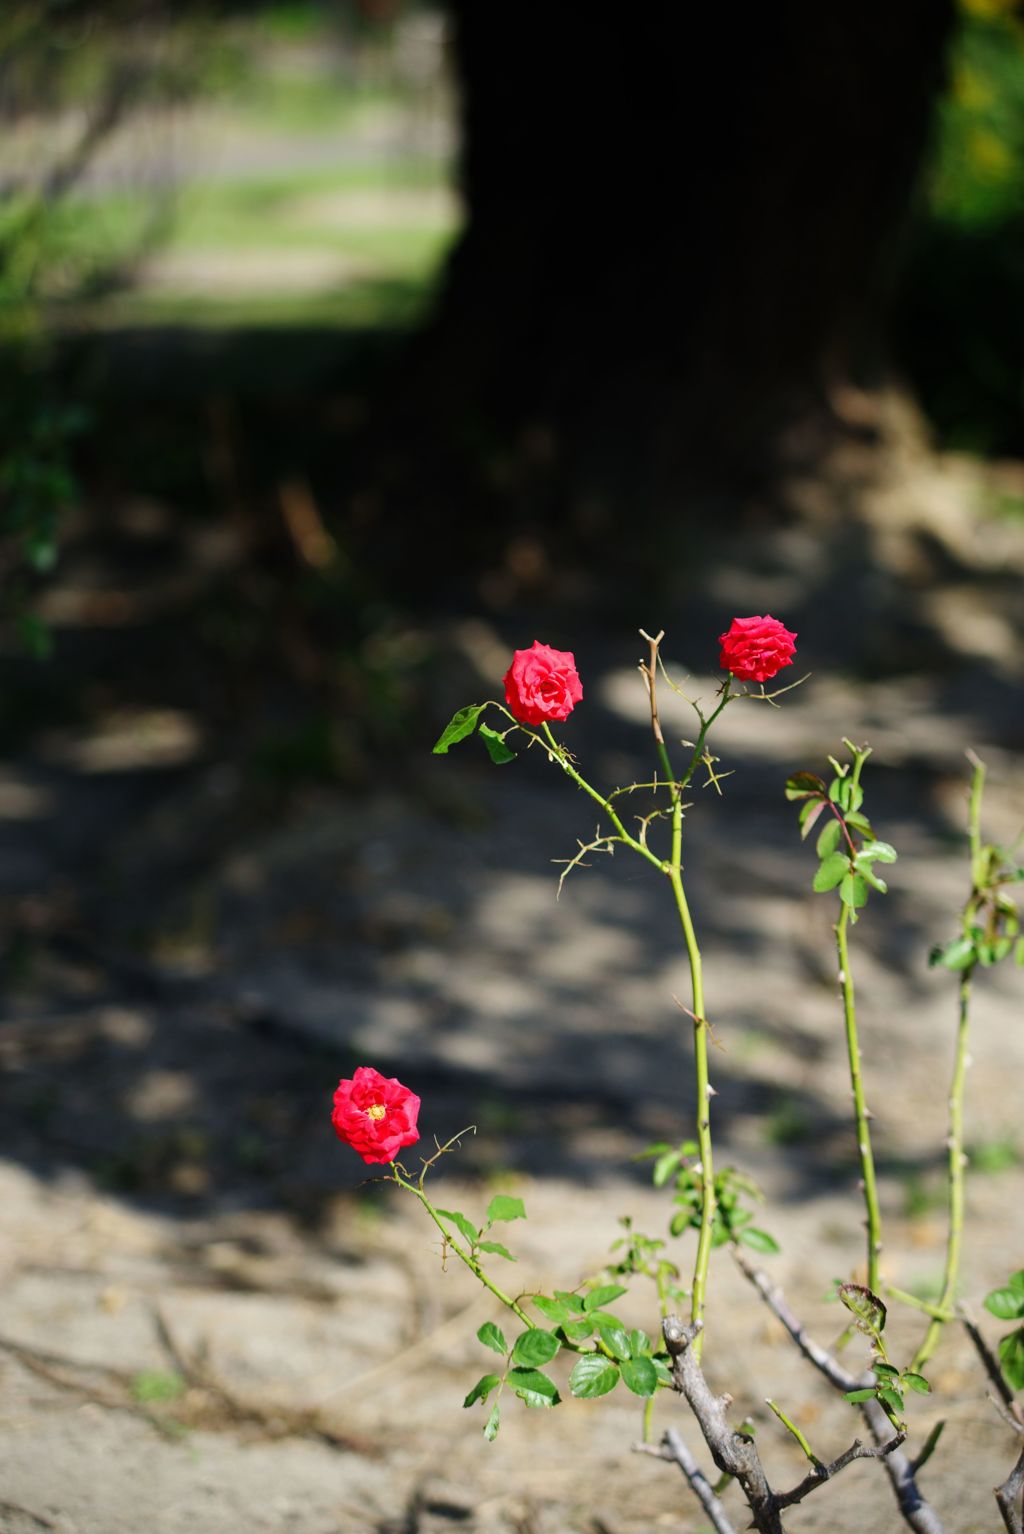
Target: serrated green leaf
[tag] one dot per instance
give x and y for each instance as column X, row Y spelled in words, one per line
column 533, row 1387
column 492, row 1337
column 482, row 1389
column 503, row 1207
column 593, row 1375
column 1011, row 1358
column 879, row 852
column 885, row 1371
column 577, row 1331
column 892, row 1398
column 1006, row 1303
column 800, row 784
column 463, row 1225
column 859, row 823
column 1017, row 1281
column 874, row 880
column 603, row 1295
column 554, row 1310
column 497, row 750
column 856, row 1396
column 828, row 840
column 603, row 1318
column 664, row 1167
column 498, row 1250
column 810, row 810
column 662, row 1370
column 615, row 1340
column 854, row 891
column 458, row 727
column 639, row 1344
column 916, row 1382
column 640, row 1376
column 831, row 871
column 572, row 1302
column 534, row 1347
column 493, row 1423
column 758, row 1240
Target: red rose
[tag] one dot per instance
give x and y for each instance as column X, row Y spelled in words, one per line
column 756, row 649
column 375, row 1114
column 542, row 684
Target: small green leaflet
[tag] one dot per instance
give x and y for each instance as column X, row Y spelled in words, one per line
column 828, row 841
column 458, row 727
column 533, row 1387
column 640, row 1376
column 470, row 1232
column 496, row 747
column 555, row 1310
column 1007, row 1303
column 577, row 1331
column 615, row 1340
column 1011, row 1358
column 853, row 891
column 482, row 1389
column 493, row 1337
column 959, row 954
column 493, row 1423
column 758, row 1240
column 602, row 1296
column 503, row 1207
column 916, row 1382
column 593, row 1375
column 535, row 1346
column 801, row 784
column 867, row 1309
column 832, row 871
column 497, row 1248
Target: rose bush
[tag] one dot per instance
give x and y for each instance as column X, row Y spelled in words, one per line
column 756, row 649
column 542, row 684
column 375, row 1114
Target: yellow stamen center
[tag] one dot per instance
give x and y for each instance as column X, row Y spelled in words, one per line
column 376, row 1111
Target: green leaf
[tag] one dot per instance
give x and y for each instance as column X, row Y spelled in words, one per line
column 854, row 891
column 1007, row 1304
column 880, row 852
column 809, row 813
column 533, row 1387
column 470, row 1232
column 832, row 870
column 859, row 823
column 577, row 1331
column 1018, row 951
column 572, row 1302
column 603, row 1318
column 534, row 1347
column 891, row 1397
column 1017, row 1281
column 458, row 727
column 759, row 1240
column 615, row 1340
column 916, row 1382
column 482, row 1389
column 801, row 784
column 502, row 1207
column 493, row 1423
column 664, row 1167
column 662, row 1370
column 593, row 1375
column 602, row 1296
column 1011, row 1358
column 856, row 1396
column 873, row 879
column 639, row 1344
column 492, row 1337
column 496, row 747
column 828, row 841
column 959, row 954
column 640, row 1376
column 885, row 1371
column 497, row 1248
column 554, row 1310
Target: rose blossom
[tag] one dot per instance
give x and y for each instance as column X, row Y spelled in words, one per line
column 542, row 684
column 756, row 649
column 375, row 1114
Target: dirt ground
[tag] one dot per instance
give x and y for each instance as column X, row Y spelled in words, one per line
column 212, row 1322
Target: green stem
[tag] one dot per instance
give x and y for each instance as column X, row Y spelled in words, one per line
column 560, row 756
column 867, row 1161
column 957, row 1160
column 906, row 1298
column 463, row 1256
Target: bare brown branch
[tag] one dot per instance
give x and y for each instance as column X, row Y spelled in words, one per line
column 674, row 1449
column 1009, row 1498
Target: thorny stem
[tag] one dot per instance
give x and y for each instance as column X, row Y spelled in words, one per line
column 867, row 1161
column 463, row 1256
column 561, row 756
column 674, row 870
column 957, row 1161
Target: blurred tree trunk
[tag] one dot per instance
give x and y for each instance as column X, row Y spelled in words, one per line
column 681, row 221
